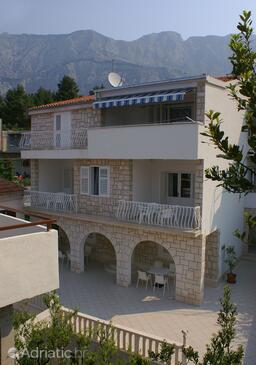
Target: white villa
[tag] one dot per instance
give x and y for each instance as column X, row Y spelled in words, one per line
column 123, row 175
column 28, row 265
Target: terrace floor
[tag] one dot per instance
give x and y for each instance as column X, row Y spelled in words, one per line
column 94, row 292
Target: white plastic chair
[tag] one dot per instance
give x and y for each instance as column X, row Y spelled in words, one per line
column 158, row 263
column 161, row 280
column 144, row 277
column 168, row 217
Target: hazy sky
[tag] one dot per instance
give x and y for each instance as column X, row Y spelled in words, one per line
column 120, row 19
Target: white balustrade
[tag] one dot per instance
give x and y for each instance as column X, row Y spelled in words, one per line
column 126, row 339
column 51, row 201
column 173, row 216
column 43, row 140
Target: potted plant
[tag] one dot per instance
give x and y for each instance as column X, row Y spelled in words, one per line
column 231, row 261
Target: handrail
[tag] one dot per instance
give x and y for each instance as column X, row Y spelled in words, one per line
column 44, row 220
column 164, row 215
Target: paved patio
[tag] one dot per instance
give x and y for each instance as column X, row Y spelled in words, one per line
column 94, row 292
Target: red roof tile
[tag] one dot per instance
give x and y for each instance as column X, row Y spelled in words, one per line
column 80, row 100
column 225, row 78
column 9, row 187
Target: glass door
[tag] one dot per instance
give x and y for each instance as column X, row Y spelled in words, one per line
column 180, row 188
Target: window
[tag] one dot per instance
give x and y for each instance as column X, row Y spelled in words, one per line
column 179, row 185
column 94, row 180
column 58, row 122
column 173, row 185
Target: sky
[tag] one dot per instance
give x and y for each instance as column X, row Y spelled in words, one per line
column 119, row 19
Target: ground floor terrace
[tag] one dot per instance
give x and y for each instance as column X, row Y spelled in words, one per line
column 95, row 292
column 185, row 258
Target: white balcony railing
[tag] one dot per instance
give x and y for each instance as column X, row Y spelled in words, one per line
column 61, row 202
column 172, row 216
column 43, row 140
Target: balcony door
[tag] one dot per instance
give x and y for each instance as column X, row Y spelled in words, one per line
column 62, row 130
column 180, row 188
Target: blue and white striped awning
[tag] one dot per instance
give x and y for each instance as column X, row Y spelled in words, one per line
column 142, row 98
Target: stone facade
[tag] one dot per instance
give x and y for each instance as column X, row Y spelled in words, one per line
column 200, row 102
column 212, row 269
column 186, row 249
column 34, row 168
column 199, row 183
column 120, row 187
column 85, row 118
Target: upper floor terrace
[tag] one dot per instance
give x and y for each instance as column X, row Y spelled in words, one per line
column 28, row 256
column 158, row 193
column 122, row 123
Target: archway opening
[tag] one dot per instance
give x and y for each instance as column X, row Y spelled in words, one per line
column 99, row 253
column 153, row 259
column 63, row 245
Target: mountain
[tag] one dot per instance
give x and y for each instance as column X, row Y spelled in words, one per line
column 42, row 60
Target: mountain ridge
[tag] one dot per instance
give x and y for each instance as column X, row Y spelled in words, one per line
column 41, row 60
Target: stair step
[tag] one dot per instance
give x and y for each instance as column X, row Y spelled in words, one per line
column 249, row 257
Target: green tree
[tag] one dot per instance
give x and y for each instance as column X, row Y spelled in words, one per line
column 42, row 96
column 14, row 109
column 57, row 333
column 6, row 169
column 220, row 351
column 67, row 89
column 240, row 175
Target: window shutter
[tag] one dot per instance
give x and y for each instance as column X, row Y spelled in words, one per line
column 104, row 181
column 84, row 180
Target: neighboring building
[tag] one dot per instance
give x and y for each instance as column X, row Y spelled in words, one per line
column 28, row 267
column 10, row 150
column 11, row 194
column 123, row 175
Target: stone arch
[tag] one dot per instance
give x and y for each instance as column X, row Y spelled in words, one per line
column 147, row 252
column 99, row 247
column 63, row 239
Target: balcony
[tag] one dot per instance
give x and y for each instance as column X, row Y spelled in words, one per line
column 168, row 216
column 179, row 141
column 49, row 140
column 28, row 256
column 57, row 202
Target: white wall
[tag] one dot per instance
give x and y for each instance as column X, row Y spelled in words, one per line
column 222, row 210
column 147, row 177
column 51, row 174
column 28, row 266
column 172, row 141
column 142, row 180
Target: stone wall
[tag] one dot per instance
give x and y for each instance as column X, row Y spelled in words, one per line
column 200, row 102
column 80, row 118
column 212, row 269
column 199, row 183
column 186, row 249
column 120, row 187
column 34, row 168
column 146, row 253
column 85, row 118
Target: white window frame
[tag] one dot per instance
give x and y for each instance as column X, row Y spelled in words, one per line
column 179, row 184
column 86, row 168
column 89, row 169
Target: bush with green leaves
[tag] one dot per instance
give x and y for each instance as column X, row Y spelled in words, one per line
column 220, row 351
column 56, row 334
column 240, row 174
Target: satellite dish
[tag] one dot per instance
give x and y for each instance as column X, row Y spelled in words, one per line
column 115, row 79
